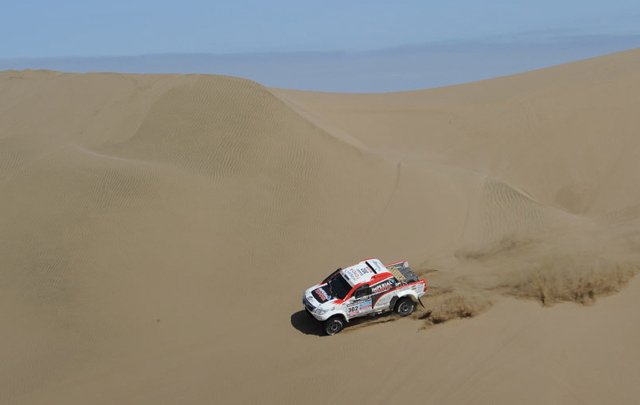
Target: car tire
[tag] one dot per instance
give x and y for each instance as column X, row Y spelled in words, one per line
column 333, row 325
column 405, row 306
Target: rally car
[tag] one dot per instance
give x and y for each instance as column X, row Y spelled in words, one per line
column 366, row 288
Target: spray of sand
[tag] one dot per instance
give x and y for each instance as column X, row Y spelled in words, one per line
column 577, row 266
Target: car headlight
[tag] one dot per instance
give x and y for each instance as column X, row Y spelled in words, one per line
column 320, row 311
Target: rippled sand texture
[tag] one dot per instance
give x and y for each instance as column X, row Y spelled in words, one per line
column 157, row 232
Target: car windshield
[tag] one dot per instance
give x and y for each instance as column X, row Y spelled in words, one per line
column 339, row 286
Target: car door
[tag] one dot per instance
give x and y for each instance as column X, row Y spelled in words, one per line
column 360, row 302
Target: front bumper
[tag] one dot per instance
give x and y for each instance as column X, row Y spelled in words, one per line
column 311, row 310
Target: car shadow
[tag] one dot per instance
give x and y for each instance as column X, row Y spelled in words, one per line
column 306, row 323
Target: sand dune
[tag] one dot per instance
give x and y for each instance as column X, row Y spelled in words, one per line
column 157, row 232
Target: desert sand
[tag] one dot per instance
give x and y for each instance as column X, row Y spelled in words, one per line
column 157, row 233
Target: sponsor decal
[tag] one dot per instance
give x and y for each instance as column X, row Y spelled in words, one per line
column 354, row 273
column 365, row 306
column 382, row 287
column 359, row 308
column 352, row 310
column 322, row 294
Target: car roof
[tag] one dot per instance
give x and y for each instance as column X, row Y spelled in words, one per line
column 363, row 271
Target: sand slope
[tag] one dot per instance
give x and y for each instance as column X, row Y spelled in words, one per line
column 157, row 232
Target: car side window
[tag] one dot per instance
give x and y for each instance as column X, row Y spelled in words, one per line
column 362, row 291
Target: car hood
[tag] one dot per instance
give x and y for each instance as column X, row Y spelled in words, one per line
column 318, row 295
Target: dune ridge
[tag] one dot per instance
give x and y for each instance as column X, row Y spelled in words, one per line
column 156, row 232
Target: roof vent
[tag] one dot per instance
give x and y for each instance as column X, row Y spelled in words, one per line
column 371, row 267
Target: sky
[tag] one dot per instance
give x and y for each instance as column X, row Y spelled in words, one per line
column 161, row 36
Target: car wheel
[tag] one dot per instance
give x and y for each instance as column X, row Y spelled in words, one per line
column 333, row 325
column 405, row 306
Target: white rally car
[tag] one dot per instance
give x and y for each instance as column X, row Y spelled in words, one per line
column 366, row 288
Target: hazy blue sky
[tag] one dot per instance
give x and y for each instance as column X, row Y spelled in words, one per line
column 132, row 27
column 48, row 34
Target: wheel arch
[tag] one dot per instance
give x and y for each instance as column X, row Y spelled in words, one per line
column 411, row 294
column 341, row 314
